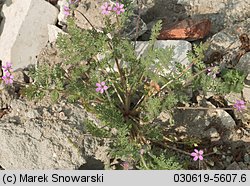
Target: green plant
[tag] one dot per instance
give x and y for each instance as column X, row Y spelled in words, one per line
column 126, row 92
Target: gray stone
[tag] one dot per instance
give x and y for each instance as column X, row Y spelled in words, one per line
column 20, row 77
column 233, row 166
column 157, row 9
column 243, row 166
column 227, row 44
column 181, row 49
column 244, row 63
column 92, row 10
column 247, row 158
column 6, row 95
column 246, row 93
column 222, row 13
column 24, row 30
column 30, row 141
column 134, row 27
column 226, row 120
column 53, row 32
column 213, row 133
column 196, row 122
column 229, row 159
column 62, row 18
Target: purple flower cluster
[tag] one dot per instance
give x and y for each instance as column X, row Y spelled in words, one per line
column 213, row 72
column 101, row 87
column 7, row 77
column 240, row 105
column 66, row 9
column 197, row 154
column 107, row 8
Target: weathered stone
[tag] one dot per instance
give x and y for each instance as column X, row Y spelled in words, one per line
column 204, row 123
column 244, row 63
column 222, row 13
column 134, row 27
column 181, row 48
column 226, row 120
column 213, row 133
column 20, row 77
column 246, row 93
column 6, row 95
column 224, row 46
column 25, row 31
column 53, row 33
column 233, row 166
column 29, row 140
column 247, row 158
column 188, row 29
column 242, row 166
column 157, row 9
column 62, row 18
column 92, row 10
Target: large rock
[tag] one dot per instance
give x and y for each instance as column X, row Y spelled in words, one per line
column 180, row 51
column 244, row 63
column 24, row 30
column 181, row 48
column 46, row 137
column 221, row 12
column 213, row 124
column 226, row 46
column 53, row 33
column 157, row 9
column 92, row 10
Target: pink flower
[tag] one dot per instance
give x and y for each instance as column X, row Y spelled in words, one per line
column 66, row 10
column 239, row 105
column 8, row 78
column 119, row 8
column 101, row 87
column 106, row 8
column 8, row 67
column 125, row 165
column 213, row 71
column 197, row 154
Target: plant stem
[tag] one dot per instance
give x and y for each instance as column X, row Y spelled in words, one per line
column 164, row 86
column 173, row 148
column 203, row 108
column 144, row 163
column 86, row 19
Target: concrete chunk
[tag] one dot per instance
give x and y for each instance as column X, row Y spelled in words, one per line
column 25, row 30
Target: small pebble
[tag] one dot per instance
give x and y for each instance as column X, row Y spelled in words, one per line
column 238, row 131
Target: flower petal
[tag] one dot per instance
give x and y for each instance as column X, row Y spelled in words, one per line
column 105, row 87
column 103, row 83
column 242, row 102
column 98, row 89
column 195, row 150
column 101, row 91
column 193, row 154
column 195, row 158
column 201, row 152
column 98, row 84
column 201, row 157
